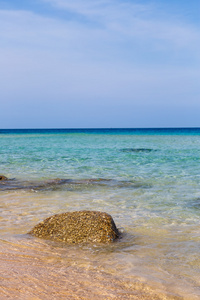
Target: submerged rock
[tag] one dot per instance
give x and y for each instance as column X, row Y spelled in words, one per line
column 68, row 184
column 2, row 177
column 78, row 227
column 137, row 150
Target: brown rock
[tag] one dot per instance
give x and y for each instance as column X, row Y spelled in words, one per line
column 2, row 177
column 78, row 227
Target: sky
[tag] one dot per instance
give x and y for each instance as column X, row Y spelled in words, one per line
column 99, row 63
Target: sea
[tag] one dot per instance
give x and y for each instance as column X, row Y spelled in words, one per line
column 147, row 179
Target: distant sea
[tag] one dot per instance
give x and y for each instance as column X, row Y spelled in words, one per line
column 184, row 130
column 147, row 179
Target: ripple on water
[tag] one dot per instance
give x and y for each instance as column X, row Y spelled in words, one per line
column 45, row 269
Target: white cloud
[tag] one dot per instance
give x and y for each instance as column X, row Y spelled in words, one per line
column 118, row 51
column 100, row 27
column 131, row 20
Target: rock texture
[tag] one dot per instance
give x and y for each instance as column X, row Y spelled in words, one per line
column 2, row 177
column 78, row 227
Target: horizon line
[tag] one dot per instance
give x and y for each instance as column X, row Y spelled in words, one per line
column 97, row 128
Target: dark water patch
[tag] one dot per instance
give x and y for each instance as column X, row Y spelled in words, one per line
column 136, row 150
column 195, row 204
column 68, row 184
column 14, row 184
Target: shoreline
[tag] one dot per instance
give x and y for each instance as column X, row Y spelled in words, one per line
column 25, row 274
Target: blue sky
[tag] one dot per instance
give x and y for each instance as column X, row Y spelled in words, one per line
column 99, row 63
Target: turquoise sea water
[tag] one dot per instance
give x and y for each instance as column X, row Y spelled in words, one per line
column 147, row 179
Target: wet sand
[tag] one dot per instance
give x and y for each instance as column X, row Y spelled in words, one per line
column 25, row 273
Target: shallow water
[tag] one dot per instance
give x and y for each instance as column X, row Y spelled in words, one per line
column 148, row 181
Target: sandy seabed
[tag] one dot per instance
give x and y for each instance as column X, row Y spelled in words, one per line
column 24, row 274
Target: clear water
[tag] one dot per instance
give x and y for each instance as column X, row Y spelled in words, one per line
column 151, row 187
